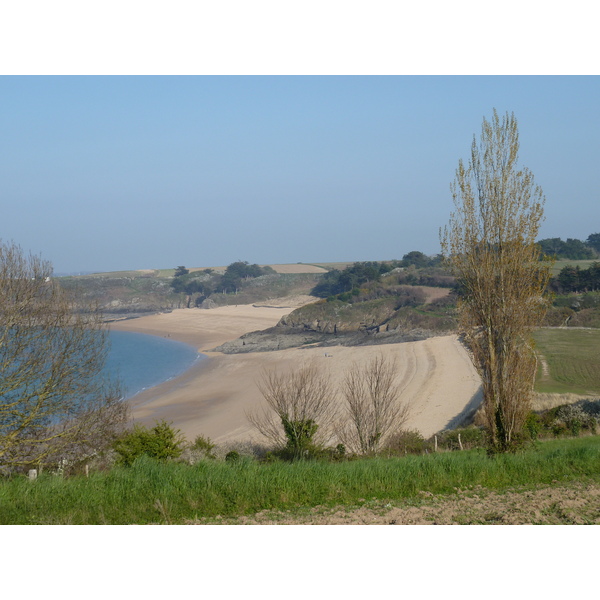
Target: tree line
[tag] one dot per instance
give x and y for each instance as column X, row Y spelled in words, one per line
column 572, row 249
column 199, row 285
column 572, row 278
column 346, row 284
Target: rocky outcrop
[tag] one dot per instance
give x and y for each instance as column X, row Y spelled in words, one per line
column 276, row 338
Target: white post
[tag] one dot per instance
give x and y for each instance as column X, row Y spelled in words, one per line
column 32, row 474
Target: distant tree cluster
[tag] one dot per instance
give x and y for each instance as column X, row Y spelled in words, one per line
column 572, row 249
column 238, row 272
column 199, row 285
column 419, row 260
column 574, row 279
column 336, row 282
column 428, row 276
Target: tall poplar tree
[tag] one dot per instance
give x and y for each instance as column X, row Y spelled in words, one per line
column 489, row 245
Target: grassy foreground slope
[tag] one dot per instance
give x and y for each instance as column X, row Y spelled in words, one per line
column 208, row 491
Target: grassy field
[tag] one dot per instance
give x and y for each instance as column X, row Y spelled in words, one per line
column 561, row 264
column 158, row 492
column 570, row 361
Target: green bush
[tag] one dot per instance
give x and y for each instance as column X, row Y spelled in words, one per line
column 161, row 442
column 574, row 417
column 299, row 435
column 204, row 445
column 232, row 456
column 470, row 437
column 533, row 425
column 568, row 419
column 558, row 428
column 407, row 442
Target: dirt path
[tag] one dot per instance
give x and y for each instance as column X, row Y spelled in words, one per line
column 573, row 504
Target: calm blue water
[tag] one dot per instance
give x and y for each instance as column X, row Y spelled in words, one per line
column 141, row 361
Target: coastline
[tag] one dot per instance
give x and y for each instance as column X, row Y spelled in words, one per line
column 214, row 395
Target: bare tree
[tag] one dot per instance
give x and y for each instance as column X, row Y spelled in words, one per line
column 53, row 399
column 490, row 246
column 374, row 406
column 299, row 412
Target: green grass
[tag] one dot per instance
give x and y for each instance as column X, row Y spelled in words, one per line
column 154, row 492
column 573, row 360
column 561, row 264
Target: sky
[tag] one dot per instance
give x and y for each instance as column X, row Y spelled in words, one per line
column 106, row 173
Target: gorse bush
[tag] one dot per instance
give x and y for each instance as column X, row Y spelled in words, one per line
column 161, row 442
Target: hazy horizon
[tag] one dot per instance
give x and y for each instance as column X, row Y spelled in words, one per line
column 124, row 173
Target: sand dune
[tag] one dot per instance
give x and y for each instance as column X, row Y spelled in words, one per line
column 212, row 398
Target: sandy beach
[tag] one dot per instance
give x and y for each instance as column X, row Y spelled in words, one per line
column 212, row 398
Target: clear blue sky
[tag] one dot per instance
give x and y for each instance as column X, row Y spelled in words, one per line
column 112, row 173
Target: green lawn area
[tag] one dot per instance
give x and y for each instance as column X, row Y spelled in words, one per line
column 561, row 264
column 572, row 359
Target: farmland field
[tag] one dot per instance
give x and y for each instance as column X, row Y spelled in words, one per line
column 570, row 361
column 561, row 264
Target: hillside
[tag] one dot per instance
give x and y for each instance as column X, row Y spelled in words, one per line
column 129, row 294
column 393, row 307
column 354, row 303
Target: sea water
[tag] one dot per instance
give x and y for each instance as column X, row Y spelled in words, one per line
column 141, row 361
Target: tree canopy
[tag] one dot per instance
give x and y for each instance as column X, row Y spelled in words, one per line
column 572, row 249
column 338, row 282
column 54, row 399
column 574, row 279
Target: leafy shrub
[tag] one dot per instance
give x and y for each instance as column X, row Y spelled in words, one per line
column 407, row 442
column 470, row 437
column 232, row 456
column 558, row 428
column 570, row 419
column 249, row 450
column 204, row 445
column 161, row 442
column 299, row 435
column 533, row 425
